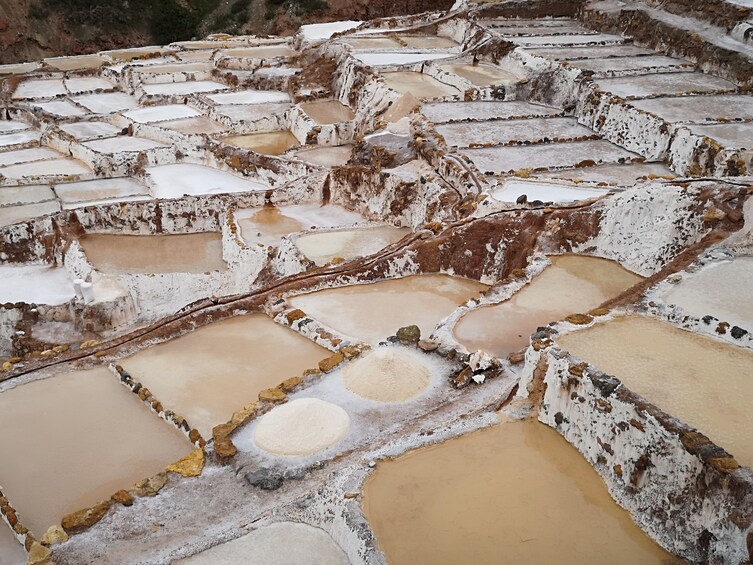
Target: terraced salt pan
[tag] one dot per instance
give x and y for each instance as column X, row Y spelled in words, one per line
column 591, row 52
column 620, row 175
column 536, row 29
column 181, row 179
column 272, row 545
column 465, row 134
column 93, row 61
column 25, row 194
column 107, row 103
column 699, row 109
column 27, row 155
column 99, row 189
column 20, row 138
column 192, row 126
column 568, row 40
column 370, row 43
column 269, row 224
column 323, row 247
column 85, row 131
column 210, row 373
column 512, row 189
column 639, row 64
column 51, row 167
column 161, row 113
column 326, row 156
column 8, row 126
column 261, row 52
column 39, row 88
column 325, row 31
column 13, row 214
column 387, row 374
column 665, row 84
column 513, row 493
column 482, row 74
column 572, row 284
column 440, row 112
column 249, row 97
column 327, row 111
column 182, row 88
column 35, row 284
column 79, row 85
column 418, row 84
column 553, row 155
column 62, row 108
column 703, row 382
column 122, row 144
column 175, row 253
column 303, row 426
column 732, row 135
column 251, row 112
column 699, row 293
column 375, row 311
column 11, row 551
column 386, row 59
column 266, row 143
column 118, row 441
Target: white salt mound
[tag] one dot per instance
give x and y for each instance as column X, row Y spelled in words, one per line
column 301, row 427
column 387, row 374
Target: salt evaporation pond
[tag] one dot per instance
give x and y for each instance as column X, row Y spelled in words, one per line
column 698, row 293
column 326, row 156
column 571, row 284
column 511, row 190
column 215, row 370
column 266, row 143
column 703, row 382
column 272, row 545
column 175, row 253
column 35, row 284
column 325, row 112
column 269, row 224
column 481, row 74
column 181, row 179
column 11, row 551
column 78, row 437
column 375, row 311
column 418, row 84
column 321, row 248
column 513, row 493
column 301, row 427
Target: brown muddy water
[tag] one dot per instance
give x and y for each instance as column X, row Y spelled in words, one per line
column 373, row 312
column 214, row 371
column 266, row 143
column 74, row 439
column 327, row 111
column 175, row 253
column 515, row 493
column 571, row 284
column 703, row 382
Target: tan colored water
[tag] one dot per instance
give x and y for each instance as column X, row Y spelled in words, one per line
column 327, row 111
column 186, row 253
column 210, row 373
column 482, row 75
column 703, row 382
column 268, row 225
column 267, row 143
column 73, row 440
column 513, row 494
column 427, row 41
column 321, row 248
column 571, row 284
column 372, row 312
column 418, row 84
column 11, row 552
